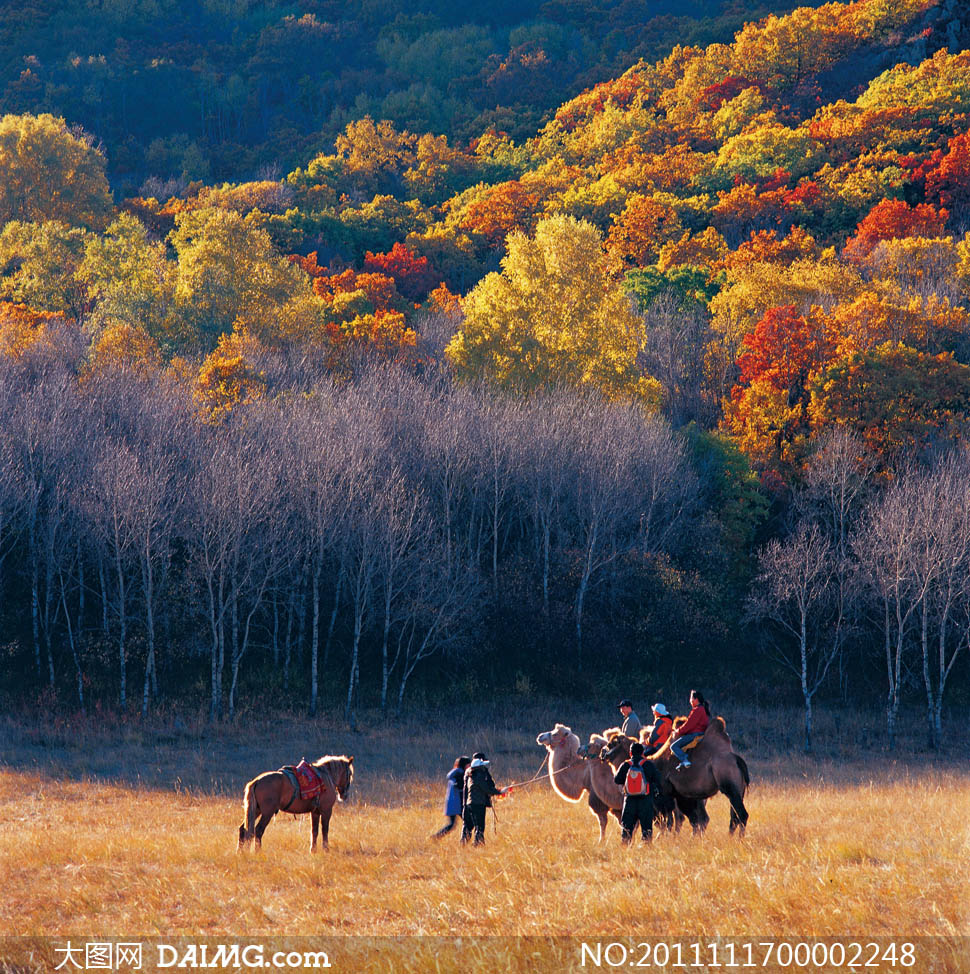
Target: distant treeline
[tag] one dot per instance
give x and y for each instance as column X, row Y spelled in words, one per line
column 353, row 531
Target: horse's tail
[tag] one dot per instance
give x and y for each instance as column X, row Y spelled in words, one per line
column 743, row 768
column 250, row 811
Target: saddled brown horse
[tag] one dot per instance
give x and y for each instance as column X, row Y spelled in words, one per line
column 273, row 792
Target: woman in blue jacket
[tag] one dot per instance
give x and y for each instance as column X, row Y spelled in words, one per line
column 456, row 779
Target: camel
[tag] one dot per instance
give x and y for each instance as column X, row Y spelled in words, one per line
column 569, row 773
column 714, row 768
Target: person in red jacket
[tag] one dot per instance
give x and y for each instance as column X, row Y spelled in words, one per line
column 694, row 727
column 655, row 736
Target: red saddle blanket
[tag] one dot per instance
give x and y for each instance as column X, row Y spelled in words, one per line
column 309, row 780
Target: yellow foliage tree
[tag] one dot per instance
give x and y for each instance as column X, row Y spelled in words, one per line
column 228, row 269
column 125, row 346
column 556, row 314
column 40, row 265
column 131, row 281
column 49, row 173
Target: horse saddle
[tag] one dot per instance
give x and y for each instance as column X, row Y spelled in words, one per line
column 305, row 778
column 692, row 744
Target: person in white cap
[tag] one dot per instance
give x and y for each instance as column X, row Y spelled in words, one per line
column 659, row 731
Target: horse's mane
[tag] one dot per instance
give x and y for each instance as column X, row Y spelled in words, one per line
column 332, row 757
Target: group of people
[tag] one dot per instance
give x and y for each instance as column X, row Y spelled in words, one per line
column 655, row 735
column 469, row 796
column 638, row 777
column 471, row 788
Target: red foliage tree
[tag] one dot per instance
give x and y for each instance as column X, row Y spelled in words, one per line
column 712, row 97
column 783, row 349
column 890, row 219
column 413, row 275
column 945, row 176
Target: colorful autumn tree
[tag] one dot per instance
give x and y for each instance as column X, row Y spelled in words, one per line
column 644, row 226
column 890, row 219
column 50, row 173
column 131, row 281
column 230, row 374
column 122, row 345
column 414, row 276
column 40, row 265
column 554, row 315
column 767, row 411
column 945, row 176
column 22, row 327
column 896, row 399
column 227, row 268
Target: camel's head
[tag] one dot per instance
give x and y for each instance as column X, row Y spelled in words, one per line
column 558, row 737
column 597, row 743
column 617, row 748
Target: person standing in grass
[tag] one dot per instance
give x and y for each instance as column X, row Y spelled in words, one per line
column 695, row 725
column 477, row 798
column 456, row 781
column 640, row 782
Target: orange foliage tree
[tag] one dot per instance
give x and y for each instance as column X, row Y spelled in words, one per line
column 890, row 219
column 504, row 208
column 21, row 327
column 230, row 375
column 644, row 226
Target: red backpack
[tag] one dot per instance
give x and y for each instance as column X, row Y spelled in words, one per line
column 636, row 783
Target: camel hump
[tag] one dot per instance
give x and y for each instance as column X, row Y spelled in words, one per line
column 717, row 728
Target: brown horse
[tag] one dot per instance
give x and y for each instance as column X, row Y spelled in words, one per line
column 273, row 792
column 714, row 768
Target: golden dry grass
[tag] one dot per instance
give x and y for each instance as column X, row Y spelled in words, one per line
column 833, row 850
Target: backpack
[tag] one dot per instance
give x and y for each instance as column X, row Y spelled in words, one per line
column 636, row 783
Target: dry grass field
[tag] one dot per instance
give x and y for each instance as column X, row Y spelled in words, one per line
column 129, row 832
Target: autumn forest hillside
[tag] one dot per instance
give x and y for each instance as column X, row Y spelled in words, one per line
column 575, row 340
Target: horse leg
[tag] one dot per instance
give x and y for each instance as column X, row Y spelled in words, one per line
column 264, row 820
column 315, row 827
column 325, row 814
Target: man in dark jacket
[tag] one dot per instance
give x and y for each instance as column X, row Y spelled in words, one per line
column 640, row 783
column 477, row 798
